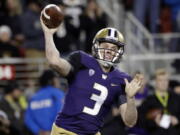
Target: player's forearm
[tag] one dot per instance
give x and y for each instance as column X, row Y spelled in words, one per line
column 52, row 53
column 130, row 116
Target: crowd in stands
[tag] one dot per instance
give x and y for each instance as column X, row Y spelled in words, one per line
column 159, row 17
column 21, row 36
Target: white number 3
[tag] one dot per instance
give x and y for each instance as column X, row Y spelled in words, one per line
column 98, row 98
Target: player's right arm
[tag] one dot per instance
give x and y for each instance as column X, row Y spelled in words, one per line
column 52, row 54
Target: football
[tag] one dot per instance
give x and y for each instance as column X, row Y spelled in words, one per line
column 52, row 16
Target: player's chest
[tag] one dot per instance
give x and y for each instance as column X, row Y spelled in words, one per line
column 92, row 81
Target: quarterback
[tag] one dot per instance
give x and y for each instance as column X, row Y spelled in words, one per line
column 94, row 84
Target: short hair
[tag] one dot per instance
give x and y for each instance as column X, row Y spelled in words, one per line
column 11, row 86
column 47, row 77
column 161, row 71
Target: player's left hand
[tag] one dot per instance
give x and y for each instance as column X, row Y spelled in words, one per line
column 134, row 86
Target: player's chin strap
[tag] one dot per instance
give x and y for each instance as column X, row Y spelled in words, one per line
column 107, row 64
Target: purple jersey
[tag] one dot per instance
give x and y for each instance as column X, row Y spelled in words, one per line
column 91, row 94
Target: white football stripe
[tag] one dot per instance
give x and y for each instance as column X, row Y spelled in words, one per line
column 46, row 15
column 58, row 8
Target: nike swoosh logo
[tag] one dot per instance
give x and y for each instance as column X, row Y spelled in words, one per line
column 112, row 84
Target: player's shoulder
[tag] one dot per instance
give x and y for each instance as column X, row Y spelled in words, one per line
column 82, row 58
column 80, row 54
column 122, row 75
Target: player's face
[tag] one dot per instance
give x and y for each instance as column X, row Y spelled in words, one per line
column 108, row 50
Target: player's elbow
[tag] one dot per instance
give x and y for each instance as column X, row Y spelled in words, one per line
column 60, row 65
column 52, row 55
column 52, row 58
column 130, row 124
column 52, row 62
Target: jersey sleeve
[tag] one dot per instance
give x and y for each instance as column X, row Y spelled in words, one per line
column 75, row 60
column 122, row 96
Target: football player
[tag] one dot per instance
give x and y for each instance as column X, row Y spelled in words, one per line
column 94, row 84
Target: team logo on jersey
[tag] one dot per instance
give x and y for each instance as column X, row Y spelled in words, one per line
column 104, row 76
column 91, row 72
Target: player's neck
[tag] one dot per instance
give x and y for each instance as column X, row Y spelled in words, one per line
column 105, row 69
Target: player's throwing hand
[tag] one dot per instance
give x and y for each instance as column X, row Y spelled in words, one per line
column 45, row 28
column 134, row 86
